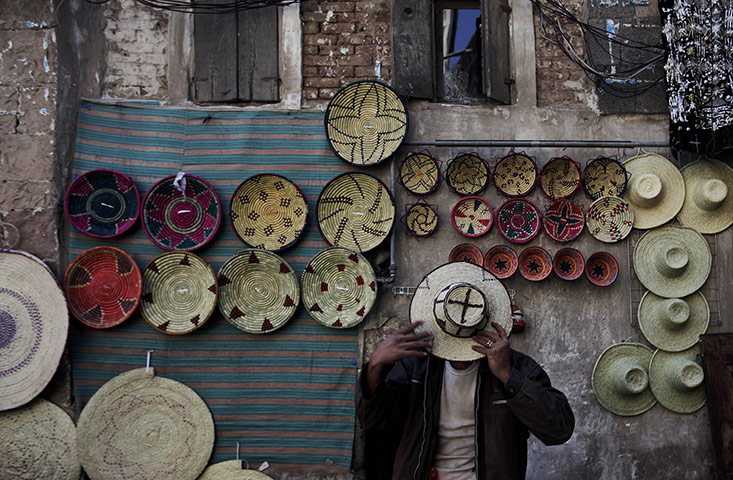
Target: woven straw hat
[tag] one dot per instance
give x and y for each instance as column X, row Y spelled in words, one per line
column 34, row 322
column 454, row 301
column 38, row 441
column 708, row 206
column 655, row 191
column 609, row 219
column 672, row 261
column 676, row 378
column 673, row 324
column 620, row 379
column 140, row 426
column 232, row 470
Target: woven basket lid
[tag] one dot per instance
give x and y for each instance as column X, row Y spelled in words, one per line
column 175, row 220
column 179, row 292
column 269, row 212
column 609, row 219
column 535, row 263
column 620, row 379
column 355, row 211
column 708, row 206
column 141, row 426
column 515, row 175
column 655, row 191
column 232, row 470
column 560, row 178
column 604, row 177
column 467, row 174
column 673, row 324
column 472, row 216
column 102, row 203
column 34, row 322
column 258, row 290
column 103, row 287
column 677, row 379
column 518, row 221
column 501, row 261
column 38, row 441
column 563, row 220
column 466, row 252
column 366, row 122
column 339, row 287
column 420, row 173
column 421, row 219
column 568, row 264
column 601, row 269
column 672, row 261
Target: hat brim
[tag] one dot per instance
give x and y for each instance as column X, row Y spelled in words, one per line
column 670, row 397
column 608, row 396
column 673, row 340
column 670, row 199
column 706, row 221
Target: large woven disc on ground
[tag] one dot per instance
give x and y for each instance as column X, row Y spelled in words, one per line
column 366, row 122
column 269, row 212
column 103, row 287
column 519, row 221
column 38, row 441
column 420, row 173
column 421, row 219
column 258, row 291
column 604, row 177
column 339, row 287
column 620, row 379
column 140, row 426
column 34, row 322
column 609, row 219
column 515, row 175
column 708, row 206
column 673, row 324
column 677, row 379
column 656, row 190
column 181, row 213
column 356, row 211
column 179, row 292
column 102, row 203
column 563, row 221
column 560, row 178
column 472, row 216
column 467, row 174
column 231, row 470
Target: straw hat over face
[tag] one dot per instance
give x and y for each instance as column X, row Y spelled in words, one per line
column 656, row 190
column 455, row 301
column 676, row 378
column 708, row 206
column 621, row 381
column 673, row 324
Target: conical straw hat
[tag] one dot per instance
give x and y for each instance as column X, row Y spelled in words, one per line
column 708, row 206
column 232, row 470
column 656, row 190
column 620, row 379
column 673, row 324
column 676, row 378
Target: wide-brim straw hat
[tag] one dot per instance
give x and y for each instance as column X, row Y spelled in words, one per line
column 677, row 379
column 673, row 324
column 708, row 206
column 620, row 379
column 34, row 321
column 672, row 261
column 655, row 191
column 139, row 425
column 232, row 470
column 486, row 300
column 38, row 441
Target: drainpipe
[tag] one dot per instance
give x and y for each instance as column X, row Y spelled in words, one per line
column 392, row 266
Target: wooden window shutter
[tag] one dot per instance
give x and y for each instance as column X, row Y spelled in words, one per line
column 215, row 57
column 497, row 74
column 258, row 55
column 412, row 47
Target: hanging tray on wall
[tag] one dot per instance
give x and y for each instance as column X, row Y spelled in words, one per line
column 610, row 219
column 604, row 177
column 601, row 269
column 421, row 219
column 535, row 263
column 472, row 216
column 502, row 261
column 515, row 175
column 467, row 174
column 563, row 220
column 560, row 178
column 420, row 173
column 519, row 221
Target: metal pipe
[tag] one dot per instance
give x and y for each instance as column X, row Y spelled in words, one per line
column 537, row 143
column 392, row 266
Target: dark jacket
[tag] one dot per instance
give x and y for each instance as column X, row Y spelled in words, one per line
column 401, row 420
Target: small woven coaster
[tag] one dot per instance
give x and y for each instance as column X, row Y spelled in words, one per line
column 421, row 219
column 560, row 178
column 519, row 221
column 601, row 269
column 420, row 173
column 610, row 219
column 232, row 470
column 466, row 252
column 472, row 216
column 467, row 174
column 179, row 292
column 568, row 264
column 515, row 175
column 563, row 221
column 604, row 177
column 535, row 263
column 502, row 261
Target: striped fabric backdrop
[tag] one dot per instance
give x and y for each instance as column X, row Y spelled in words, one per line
column 287, row 397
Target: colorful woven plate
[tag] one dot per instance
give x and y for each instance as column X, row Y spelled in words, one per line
column 563, row 221
column 102, row 203
column 179, row 292
column 421, row 219
column 568, row 264
column 502, row 261
column 515, row 175
column 268, row 212
column 610, row 219
column 356, row 211
column 175, row 220
column 604, row 177
column 259, row 291
column 560, row 178
column 467, row 174
column 535, row 263
column 472, row 216
column 420, row 173
column 103, row 287
column 466, row 252
column 518, row 221
column 339, row 287
column 601, row 269
column 366, row 122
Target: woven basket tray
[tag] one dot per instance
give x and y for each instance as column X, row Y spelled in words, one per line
column 563, row 220
column 604, row 177
column 502, row 261
column 560, row 178
column 421, row 219
column 535, row 263
column 420, row 173
column 466, row 252
column 269, row 212
column 601, row 269
column 472, row 216
column 179, row 292
column 259, row 291
column 103, row 287
column 610, row 219
column 568, row 264
column 515, row 175
column 467, row 174
column 366, row 122
column 519, row 221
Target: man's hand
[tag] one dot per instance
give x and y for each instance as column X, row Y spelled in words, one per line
column 496, row 348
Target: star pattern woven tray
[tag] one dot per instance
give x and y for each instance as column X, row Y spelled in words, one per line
column 535, row 263
column 601, row 269
column 519, row 221
column 472, row 216
column 502, row 261
column 610, row 219
column 515, row 175
column 604, row 177
column 563, row 221
column 420, row 173
column 568, row 264
column 467, row 174
column 466, row 252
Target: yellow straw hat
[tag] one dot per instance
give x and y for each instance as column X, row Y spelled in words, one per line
column 673, row 324
column 708, row 206
column 232, row 470
column 656, row 190
column 676, row 378
column 621, row 381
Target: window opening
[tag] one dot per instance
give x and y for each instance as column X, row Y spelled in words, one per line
column 459, row 65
